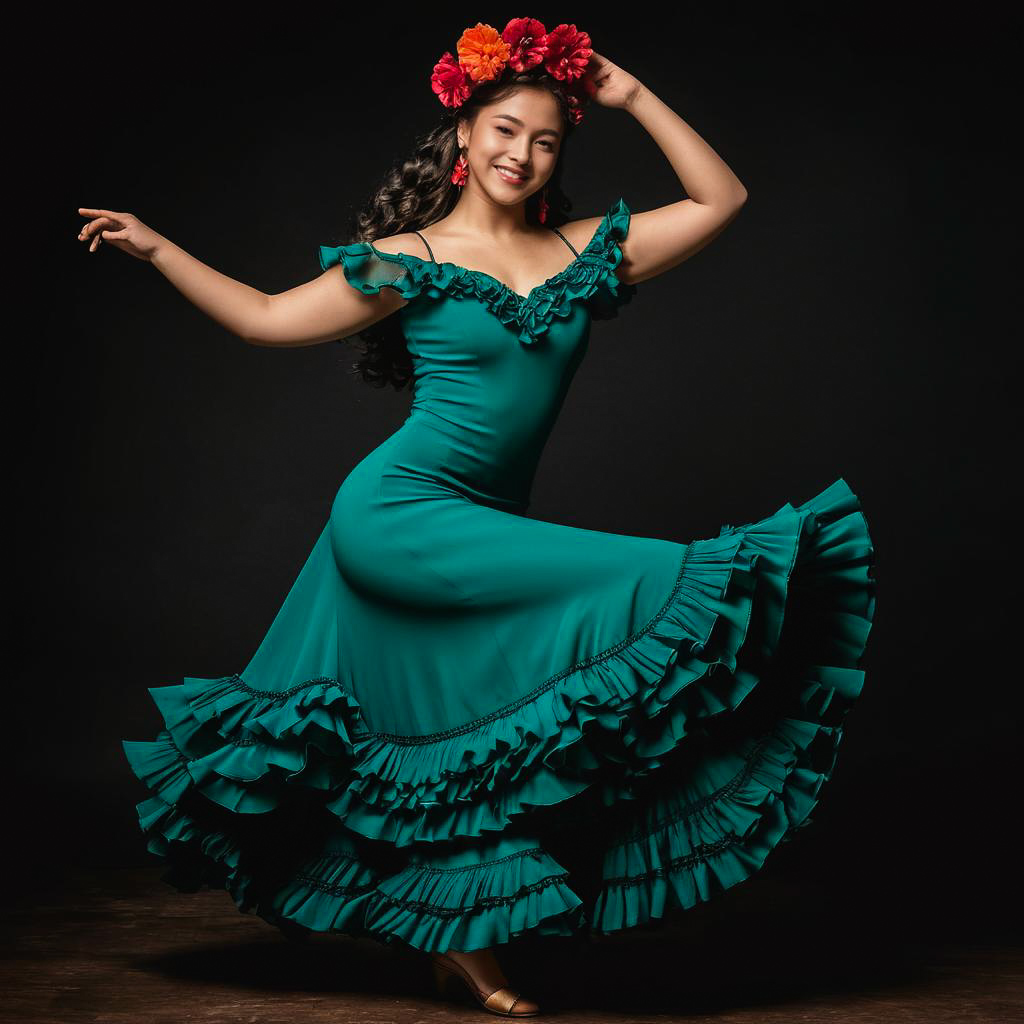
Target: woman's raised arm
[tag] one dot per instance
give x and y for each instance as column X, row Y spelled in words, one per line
column 324, row 309
column 661, row 239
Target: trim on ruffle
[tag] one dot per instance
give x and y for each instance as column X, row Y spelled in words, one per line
column 507, row 709
column 502, row 889
column 689, row 850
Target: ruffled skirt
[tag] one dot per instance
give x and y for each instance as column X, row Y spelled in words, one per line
column 669, row 742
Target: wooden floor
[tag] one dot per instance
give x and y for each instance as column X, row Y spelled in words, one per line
column 119, row 945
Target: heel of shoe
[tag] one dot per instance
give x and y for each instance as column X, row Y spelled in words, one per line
column 444, row 981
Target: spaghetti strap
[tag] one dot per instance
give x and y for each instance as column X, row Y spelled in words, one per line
column 566, row 240
column 556, row 231
column 427, row 244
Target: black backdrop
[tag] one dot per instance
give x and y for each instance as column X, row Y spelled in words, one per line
column 169, row 480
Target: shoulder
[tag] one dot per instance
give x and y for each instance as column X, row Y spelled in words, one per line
column 579, row 233
column 405, row 243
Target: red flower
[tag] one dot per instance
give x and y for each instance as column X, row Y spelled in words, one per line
column 449, row 82
column 568, row 53
column 527, row 39
column 576, row 96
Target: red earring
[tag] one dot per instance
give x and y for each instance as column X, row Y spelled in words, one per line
column 542, row 214
column 461, row 173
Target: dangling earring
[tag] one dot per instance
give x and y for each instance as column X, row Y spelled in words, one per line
column 461, row 173
column 542, row 214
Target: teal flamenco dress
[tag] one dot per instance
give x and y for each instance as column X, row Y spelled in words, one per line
column 463, row 724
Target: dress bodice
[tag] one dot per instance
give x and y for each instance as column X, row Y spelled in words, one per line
column 491, row 367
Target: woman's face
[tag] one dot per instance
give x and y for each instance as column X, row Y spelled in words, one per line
column 522, row 133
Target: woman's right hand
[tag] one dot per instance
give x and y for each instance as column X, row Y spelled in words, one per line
column 123, row 230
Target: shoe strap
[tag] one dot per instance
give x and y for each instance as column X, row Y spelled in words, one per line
column 502, row 999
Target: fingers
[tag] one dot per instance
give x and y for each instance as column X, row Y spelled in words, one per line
column 94, row 230
column 105, row 226
column 109, row 236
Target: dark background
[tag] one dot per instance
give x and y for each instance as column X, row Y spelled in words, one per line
column 170, row 480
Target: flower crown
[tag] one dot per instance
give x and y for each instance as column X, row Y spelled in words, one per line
column 484, row 55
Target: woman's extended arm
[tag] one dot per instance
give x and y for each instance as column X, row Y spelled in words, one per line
column 323, row 309
column 234, row 305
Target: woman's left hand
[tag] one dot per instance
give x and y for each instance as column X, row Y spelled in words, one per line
column 607, row 84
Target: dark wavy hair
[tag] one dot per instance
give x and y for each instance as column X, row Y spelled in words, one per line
column 418, row 190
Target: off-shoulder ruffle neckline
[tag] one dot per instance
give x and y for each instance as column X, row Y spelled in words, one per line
column 617, row 217
column 530, row 314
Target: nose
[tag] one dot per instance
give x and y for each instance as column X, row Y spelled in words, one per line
column 519, row 160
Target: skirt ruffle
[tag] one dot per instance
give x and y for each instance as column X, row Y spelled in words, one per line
column 699, row 743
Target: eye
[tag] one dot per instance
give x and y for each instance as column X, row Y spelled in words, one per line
column 546, row 142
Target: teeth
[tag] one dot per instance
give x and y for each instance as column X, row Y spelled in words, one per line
column 511, row 177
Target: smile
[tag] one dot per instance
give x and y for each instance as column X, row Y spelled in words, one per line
column 509, row 176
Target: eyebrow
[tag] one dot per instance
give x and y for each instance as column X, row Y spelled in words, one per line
column 515, row 120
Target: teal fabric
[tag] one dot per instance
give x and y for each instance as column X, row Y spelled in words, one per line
column 465, row 724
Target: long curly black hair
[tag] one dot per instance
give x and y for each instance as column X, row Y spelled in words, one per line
column 417, row 191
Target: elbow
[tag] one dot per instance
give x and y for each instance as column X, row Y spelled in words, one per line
column 255, row 328
column 735, row 204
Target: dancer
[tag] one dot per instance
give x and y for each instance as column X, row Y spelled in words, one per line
column 464, row 724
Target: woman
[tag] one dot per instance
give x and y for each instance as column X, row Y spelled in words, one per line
column 464, row 724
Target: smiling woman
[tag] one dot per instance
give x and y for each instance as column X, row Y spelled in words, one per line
column 465, row 725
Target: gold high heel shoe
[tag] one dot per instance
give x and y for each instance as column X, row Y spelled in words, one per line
column 502, row 1002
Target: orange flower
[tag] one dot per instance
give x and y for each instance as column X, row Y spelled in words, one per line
column 482, row 52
